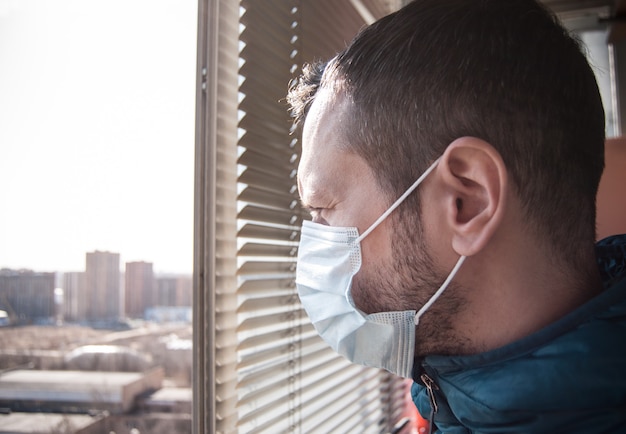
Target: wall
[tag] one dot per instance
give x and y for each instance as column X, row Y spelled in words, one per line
column 611, row 199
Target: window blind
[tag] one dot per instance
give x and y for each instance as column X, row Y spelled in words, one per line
column 260, row 365
column 215, row 213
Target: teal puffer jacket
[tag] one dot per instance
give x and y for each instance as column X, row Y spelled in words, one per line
column 569, row 377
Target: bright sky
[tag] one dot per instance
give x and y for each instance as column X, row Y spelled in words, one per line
column 97, row 132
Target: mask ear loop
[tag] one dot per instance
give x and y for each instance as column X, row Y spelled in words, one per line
column 397, row 203
column 443, row 287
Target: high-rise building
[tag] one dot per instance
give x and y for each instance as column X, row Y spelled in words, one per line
column 139, row 288
column 27, row 296
column 102, row 280
column 173, row 291
column 75, row 296
column 184, row 291
column 166, row 291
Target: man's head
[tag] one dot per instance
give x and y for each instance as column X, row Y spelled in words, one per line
column 501, row 72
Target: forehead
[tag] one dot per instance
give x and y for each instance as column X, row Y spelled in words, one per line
column 323, row 135
column 326, row 124
column 328, row 114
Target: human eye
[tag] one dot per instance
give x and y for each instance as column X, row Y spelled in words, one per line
column 314, row 212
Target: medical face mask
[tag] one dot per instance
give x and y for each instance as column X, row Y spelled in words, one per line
column 328, row 258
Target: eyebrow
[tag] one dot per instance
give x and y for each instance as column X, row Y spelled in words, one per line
column 319, row 200
column 304, row 206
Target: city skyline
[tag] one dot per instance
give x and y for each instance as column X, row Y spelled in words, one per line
column 105, row 290
column 82, row 267
column 97, row 113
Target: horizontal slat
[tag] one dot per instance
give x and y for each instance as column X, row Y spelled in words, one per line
column 278, row 133
column 252, row 139
column 277, row 64
column 256, row 132
column 272, row 94
column 354, row 380
column 274, row 336
column 268, row 198
column 276, row 174
column 226, row 377
column 266, row 162
column 277, row 56
column 287, row 301
column 311, row 350
column 264, row 394
column 273, row 320
column 256, row 249
column 258, row 14
column 346, row 386
column 224, row 355
column 270, row 375
column 346, row 375
column 269, row 215
column 274, row 82
column 266, row 107
column 266, row 150
column 270, row 97
column 282, row 184
column 261, row 413
column 226, row 409
column 274, row 356
column 265, row 90
column 268, row 233
column 280, row 375
column 320, row 364
column 262, row 267
column 366, row 418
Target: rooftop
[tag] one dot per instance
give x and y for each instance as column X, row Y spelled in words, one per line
column 66, row 390
column 22, row 423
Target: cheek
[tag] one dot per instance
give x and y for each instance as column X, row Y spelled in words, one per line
column 371, row 280
column 376, row 247
column 434, row 237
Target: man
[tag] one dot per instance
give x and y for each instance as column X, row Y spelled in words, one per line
column 451, row 156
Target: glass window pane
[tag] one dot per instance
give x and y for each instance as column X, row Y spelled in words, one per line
column 97, row 114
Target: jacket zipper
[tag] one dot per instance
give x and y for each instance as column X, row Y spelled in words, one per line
column 431, row 386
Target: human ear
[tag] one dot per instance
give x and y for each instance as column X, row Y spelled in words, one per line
column 474, row 184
